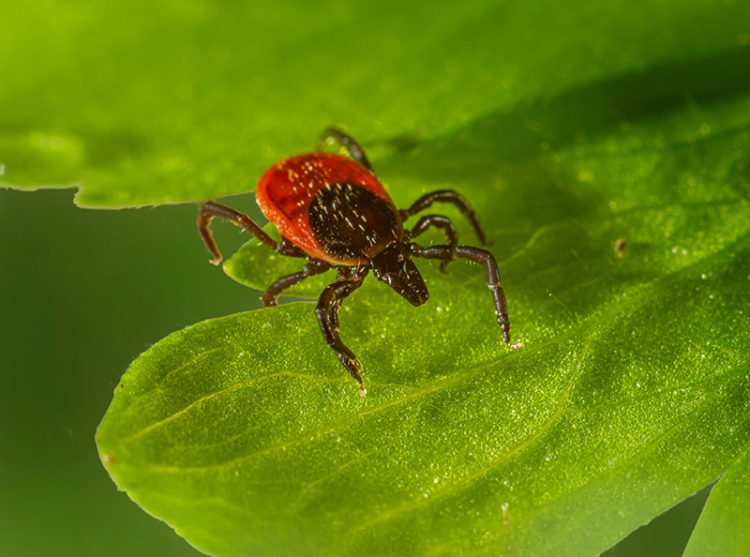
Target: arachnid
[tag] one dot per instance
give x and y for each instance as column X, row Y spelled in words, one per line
column 333, row 211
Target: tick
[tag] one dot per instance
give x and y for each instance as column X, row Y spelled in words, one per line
column 332, row 211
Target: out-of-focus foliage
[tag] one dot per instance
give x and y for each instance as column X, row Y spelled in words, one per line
column 146, row 103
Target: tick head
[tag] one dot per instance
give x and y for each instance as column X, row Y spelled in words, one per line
column 394, row 267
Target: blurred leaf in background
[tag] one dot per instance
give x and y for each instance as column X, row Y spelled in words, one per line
column 146, row 102
column 569, row 126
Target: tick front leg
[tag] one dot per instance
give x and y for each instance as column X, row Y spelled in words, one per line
column 271, row 296
column 327, row 313
column 347, row 142
column 447, row 196
column 445, row 224
column 494, row 282
column 210, row 210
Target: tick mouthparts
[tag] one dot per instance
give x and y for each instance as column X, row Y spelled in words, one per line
column 362, row 390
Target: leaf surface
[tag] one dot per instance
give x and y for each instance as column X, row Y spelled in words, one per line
column 631, row 393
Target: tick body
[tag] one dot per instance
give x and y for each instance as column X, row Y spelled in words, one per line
column 333, row 211
column 329, row 206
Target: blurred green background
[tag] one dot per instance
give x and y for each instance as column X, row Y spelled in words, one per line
column 83, row 293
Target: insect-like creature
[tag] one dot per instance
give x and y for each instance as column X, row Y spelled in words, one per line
column 333, row 211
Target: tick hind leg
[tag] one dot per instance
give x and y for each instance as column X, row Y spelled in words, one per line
column 494, row 282
column 345, row 141
column 327, row 313
column 447, row 196
column 271, row 296
column 210, row 210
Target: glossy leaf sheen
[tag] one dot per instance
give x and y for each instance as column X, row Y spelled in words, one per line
column 567, row 127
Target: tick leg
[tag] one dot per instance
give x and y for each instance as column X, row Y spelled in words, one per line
column 446, row 196
column 285, row 247
column 327, row 313
column 210, row 210
column 271, row 296
column 438, row 221
column 494, row 282
column 349, row 144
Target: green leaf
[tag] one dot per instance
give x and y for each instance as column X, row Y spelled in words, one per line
column 631, row 393
column 722, row 527
column 196, row 99
column 245, row 435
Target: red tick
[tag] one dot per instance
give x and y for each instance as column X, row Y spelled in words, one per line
column 333, row 211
